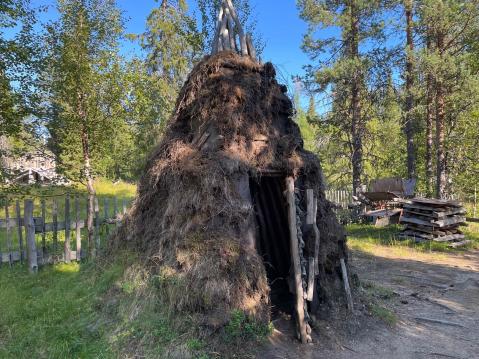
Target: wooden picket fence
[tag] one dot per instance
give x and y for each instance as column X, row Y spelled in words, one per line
column 341, row 198
column 25, row 235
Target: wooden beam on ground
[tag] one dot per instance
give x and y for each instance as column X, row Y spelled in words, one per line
column 298, row 282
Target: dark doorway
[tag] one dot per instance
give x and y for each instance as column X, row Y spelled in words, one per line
column 273, row 238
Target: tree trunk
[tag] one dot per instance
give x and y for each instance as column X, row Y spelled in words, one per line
column 356, row 123
column 409, row 118
column 440, row 115
column 429, row 124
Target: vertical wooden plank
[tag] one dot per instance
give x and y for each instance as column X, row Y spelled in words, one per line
column 19, row 230
column 298, row 282
column 97, row 225
column 317, row 236
column 30, row 236
column 115, row 211
column 311, row 206
column 44, row 234
column 475, row 202
column 106, row 214
column 7, row 234
column 124, row 206
column 55, row 224
column 67, row 244
column 77, row 228
column 347, row 288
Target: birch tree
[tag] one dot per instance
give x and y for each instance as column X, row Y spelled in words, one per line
column 84, row 94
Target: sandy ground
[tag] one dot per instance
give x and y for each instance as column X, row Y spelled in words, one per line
column 436, row 301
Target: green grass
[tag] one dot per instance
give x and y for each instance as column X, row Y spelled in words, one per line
column 368, row 238
column 377, row 300
column 52, row 314
column 89, row 310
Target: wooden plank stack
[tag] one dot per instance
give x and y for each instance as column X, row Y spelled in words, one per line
column 433, row 220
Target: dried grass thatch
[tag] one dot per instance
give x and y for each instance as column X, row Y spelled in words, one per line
column 232, row 119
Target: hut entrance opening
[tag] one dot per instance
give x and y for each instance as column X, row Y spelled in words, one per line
column 272, row 238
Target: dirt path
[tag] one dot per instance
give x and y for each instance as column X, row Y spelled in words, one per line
column 436, row 301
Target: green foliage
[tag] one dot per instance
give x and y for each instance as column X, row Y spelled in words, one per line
column 172, row 44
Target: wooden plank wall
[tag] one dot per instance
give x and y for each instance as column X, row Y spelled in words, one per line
column 35, row 240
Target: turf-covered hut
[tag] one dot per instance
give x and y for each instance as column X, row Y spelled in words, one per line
column 231, row 209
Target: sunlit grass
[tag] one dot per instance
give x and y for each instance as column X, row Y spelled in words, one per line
column 385, row 241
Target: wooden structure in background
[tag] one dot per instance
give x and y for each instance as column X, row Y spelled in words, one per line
column 433, row 220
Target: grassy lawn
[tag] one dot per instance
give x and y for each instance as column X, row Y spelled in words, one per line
column 87, row 310
column 369, row 239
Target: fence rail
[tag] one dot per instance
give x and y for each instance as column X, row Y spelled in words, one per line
column 44, row 238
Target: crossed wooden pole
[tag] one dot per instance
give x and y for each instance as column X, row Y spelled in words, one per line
column 229, row 33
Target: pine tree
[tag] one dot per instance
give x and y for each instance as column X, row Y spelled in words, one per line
column 340, row 67
column 450, row 27
column 409, row 124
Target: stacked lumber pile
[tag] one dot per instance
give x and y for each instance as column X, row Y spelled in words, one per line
column 435, row 220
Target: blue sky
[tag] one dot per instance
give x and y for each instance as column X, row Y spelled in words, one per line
column 278, row 23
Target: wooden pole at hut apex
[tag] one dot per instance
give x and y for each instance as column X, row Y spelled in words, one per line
column 228, row 29
column 298, row 282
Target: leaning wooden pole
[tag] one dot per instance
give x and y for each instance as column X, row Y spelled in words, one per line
column 295, row 260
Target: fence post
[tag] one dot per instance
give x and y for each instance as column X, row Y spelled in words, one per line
column 19, row 230
column 55, row 225
column 124, row 205
column 67, row 247
column 44, row 220
column 9, row 239
column 106, row 210
column 77, row 228
column 115, row 211
column 30, row 236
column 97, row 226
column 475, row 202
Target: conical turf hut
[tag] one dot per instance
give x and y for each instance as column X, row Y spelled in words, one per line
column 231, row 209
